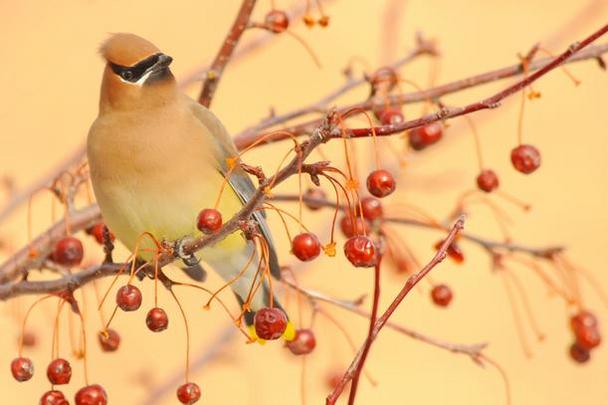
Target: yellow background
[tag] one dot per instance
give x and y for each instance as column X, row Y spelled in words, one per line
column 49, row 83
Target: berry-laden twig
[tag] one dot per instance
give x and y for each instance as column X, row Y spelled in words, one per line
column 357, row 364
column 223, row 57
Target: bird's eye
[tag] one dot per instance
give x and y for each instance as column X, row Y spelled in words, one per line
column 126, row 74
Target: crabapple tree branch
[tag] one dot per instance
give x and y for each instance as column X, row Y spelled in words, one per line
column 358, row 362
column 223, row 57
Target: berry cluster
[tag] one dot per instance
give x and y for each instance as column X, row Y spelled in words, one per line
column 587, row 336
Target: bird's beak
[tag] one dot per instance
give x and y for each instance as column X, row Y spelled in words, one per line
column 163, row 62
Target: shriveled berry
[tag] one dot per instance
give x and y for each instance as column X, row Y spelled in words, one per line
column 360, row 251
column 313, row 194
column 109, row 340
column 308, row 21
column 442, row 295
column 303, row 343
column 390, row 116
column 68, row 252
column 323, row 21
column 579, row 354
column 306, row 246
column 371, row 208
column 22, row 369
column 276, row 21
column 128, row 298
column 91, row 395
column 380, row 183
column 53, row 397
column 188, row 393
column 157, row 320
column 423, row 137
column 59, row 372
column 209, row 221
column 525, row 158
column 98, row 230
column 270, row 323
column 487, row 180
column 352, row 228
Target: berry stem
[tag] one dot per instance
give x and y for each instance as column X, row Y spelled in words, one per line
column 24, row 322
column 187, row 328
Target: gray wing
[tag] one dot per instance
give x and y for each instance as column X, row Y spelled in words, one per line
column 239, row 180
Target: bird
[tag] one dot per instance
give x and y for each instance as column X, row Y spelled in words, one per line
column 157, row 158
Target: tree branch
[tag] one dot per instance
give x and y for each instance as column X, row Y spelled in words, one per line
column 223, row 57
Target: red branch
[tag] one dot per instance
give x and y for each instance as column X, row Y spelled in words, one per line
column 357, row 363
column 223, row 57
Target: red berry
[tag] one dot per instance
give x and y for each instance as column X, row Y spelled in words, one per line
column 128, row 298
column 525, row 158
column 98, row 230
column 306, row 246
column 425, row 136
column 582, row 320
column 360, row 226
column 68, row 252
column 22, row 369
column 380, row 183
column 270, row 323
column 454, row 251
column 588, row 337
column 579, row 354
column 109, row 340
column 91, row 395
column 371, row 208
column 53, row 398
column 59, row 372
column 157, row 320
column 390, row 116
column 303, row 343
column 188, row 393
column 360, row 251
column 276, row 21
column 314, row 194
column 441, row 295
column 209, row 221
column 487, row 181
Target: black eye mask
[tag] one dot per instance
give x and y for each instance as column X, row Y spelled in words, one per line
column 134, row 73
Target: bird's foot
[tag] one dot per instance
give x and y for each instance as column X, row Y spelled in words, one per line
column 189, row 259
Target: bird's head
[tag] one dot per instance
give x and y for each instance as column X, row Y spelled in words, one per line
column 136, row 73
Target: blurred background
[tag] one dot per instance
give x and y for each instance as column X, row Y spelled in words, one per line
column 50, row 80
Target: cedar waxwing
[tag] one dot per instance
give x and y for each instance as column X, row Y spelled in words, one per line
column 157, row 158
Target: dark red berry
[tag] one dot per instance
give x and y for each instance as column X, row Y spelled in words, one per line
column 454, row 251
column 128, row 298
column 59, row 372
column 157, row 320
column 68, row 252
column 582, row 320
column 360, row 251
column 22, row 369
column 390, row 116
column 579, row 354
column 380, row 183
column 209, row 221
column 188, row 393
column 588, row 337
column 53, row 398
column 276, row 21
column 525, row 158
column 352, row 228
column 441, row 295
column 91, row 395
column 270, row 323
column 109, row 340
column 371, row 208
column 304, row 342
column 487, row 181
column 306, row 246
column 98, row 230
column 420, row 138
column 313, row 194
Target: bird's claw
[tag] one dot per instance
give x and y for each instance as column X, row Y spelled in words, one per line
column 189, row 259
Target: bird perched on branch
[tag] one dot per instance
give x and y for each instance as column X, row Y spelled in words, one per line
column 157, row 158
